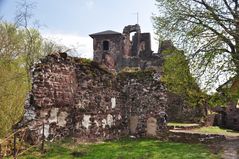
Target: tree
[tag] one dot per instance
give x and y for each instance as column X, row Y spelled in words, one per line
column 13, row 76
column 13, row 90
column 15, row 64
column 20, row 47
column 187, row 102
column 207, row 29
column 179, row 80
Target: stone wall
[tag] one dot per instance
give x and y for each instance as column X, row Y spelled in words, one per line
column 145, row 99
column 82, row 99
column 187, row 137
column 226, row 117
column 122, row 51
column 108, row 57
column 99, row 112
column 145, row 45
column 52, row 98
column 179, row 111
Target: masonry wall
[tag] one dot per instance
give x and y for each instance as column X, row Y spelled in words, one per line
column 100, row 108
column 52, row 98
column 179, row 111
column 145, row 100
column 145, row 45
column 232, row 116
column 108, row 57
column 82, row 99
column 226, row 117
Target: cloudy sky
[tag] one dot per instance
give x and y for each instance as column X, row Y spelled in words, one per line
column 69, row 22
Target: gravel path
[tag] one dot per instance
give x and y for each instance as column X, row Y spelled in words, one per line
column 230, row 148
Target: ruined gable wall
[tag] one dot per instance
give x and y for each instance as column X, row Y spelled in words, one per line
column 52, row 98
column 145, row 99
column 99, row 106
column 83, row 100
column 73, row 98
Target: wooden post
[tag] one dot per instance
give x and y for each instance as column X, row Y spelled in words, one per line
column 15, row 145
column 43, row 137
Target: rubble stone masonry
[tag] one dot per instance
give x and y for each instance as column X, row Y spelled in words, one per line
column 81, row 99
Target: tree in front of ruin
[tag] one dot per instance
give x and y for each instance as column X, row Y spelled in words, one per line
column 208, row 31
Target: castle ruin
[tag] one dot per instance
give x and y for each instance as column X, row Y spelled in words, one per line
column 85, row 100
column 117, row 50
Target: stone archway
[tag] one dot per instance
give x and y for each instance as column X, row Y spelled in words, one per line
column 151, row 129
column 131, row 43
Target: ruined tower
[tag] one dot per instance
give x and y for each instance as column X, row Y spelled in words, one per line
column 117, row 50
column 107, row 46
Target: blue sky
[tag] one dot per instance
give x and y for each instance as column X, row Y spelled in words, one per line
column 69, row 22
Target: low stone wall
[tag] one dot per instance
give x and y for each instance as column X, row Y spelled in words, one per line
column 225, row 117
column 179, row 111
column 187, row 137
column 176, row 127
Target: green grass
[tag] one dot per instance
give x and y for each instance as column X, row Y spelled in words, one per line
column 182, row 124
column 124, row 149
column 217, row 130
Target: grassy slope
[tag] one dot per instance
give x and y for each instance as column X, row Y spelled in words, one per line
column 124, row 149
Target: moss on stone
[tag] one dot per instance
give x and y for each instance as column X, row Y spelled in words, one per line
column 85, row 61
column 135, row 73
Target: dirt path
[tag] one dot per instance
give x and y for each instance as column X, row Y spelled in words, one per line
column 229, row 148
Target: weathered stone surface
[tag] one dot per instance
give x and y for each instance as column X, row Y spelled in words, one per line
column 178, row 110
column 187, row 137
column 151, row 126
column 123, row 52
column 225, row 117
column 83, row 100
column 53, row 115
column 87, row 101
column 86, row 121
column 61, row 120
column 131, row 28
column 133, row 122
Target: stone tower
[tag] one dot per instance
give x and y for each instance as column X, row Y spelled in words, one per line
column 117, row 50
column 107, row 46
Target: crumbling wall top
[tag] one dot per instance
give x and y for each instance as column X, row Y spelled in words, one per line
column 131, row 28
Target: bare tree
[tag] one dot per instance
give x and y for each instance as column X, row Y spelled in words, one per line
column 33, row 40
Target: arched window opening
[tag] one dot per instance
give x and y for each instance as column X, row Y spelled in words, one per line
column 105, row 45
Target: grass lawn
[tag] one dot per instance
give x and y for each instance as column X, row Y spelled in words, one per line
column 217, row 130
column 124, row 149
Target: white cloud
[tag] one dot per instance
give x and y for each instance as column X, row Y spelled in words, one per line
column 83, row 45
